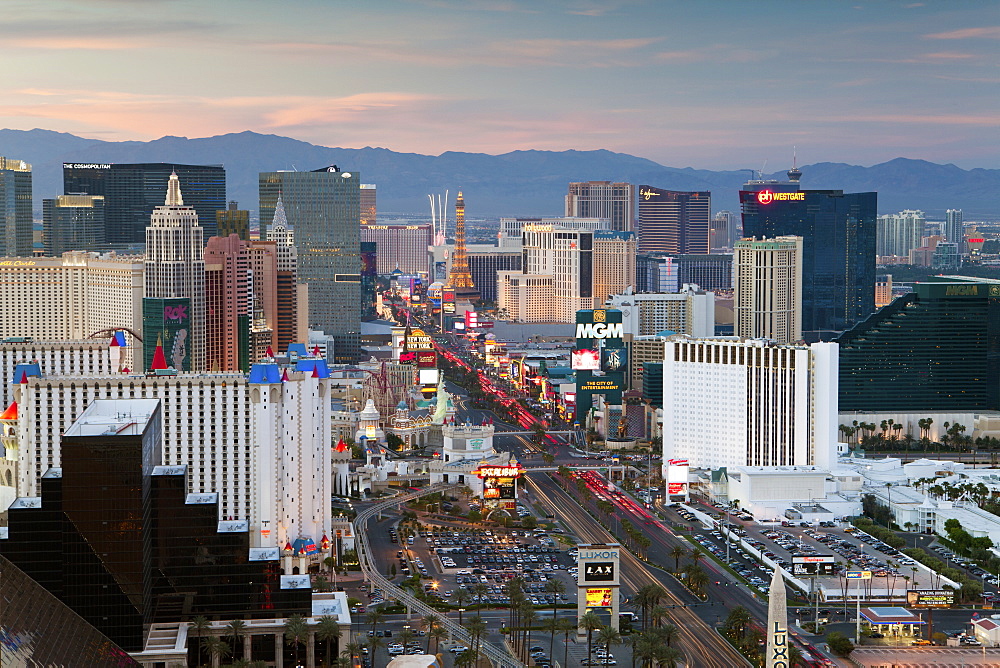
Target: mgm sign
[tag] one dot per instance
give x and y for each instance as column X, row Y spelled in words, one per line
column 599, row 335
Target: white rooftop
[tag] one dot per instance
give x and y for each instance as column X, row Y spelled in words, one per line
column 114, row 417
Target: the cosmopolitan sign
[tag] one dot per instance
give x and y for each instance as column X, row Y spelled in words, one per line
column 766, row 197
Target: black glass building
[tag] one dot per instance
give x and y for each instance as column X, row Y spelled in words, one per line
column 117, row 538
column 132, row 190
column 324, row 209
column 934, row 350
column 37, row 629
column 668, row 273
column 838, row 233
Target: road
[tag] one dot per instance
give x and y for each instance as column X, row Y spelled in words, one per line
column 699, row 642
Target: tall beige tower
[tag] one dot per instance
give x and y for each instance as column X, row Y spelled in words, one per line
column 175, row 263
column 767, row 277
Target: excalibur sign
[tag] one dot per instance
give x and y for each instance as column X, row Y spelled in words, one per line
column 777, row 624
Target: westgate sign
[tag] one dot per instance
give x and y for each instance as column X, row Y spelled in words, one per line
column 766, row 197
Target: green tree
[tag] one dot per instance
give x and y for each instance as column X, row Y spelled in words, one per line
column 476, row 627
column 737, row 622
column 328, row 630
column 217, row 648
column 590, row 622
column 607, row 637
column 375, row 616
column 236, row 630
column 200, row 627
column 296, row 633
column 430, row 622
column 839, row 644
column 556, row 588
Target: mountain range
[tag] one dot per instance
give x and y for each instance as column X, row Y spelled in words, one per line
column 519, row 183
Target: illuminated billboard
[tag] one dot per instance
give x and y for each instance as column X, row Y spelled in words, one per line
column 500, row 488
column 426, row 358
column 677, row 470
column 585, row 360
column 930, row 598
column 167, row 322
column 613, row 359
column 428, row 377
column 599, row 597
column 812, row 564
column 674, row 488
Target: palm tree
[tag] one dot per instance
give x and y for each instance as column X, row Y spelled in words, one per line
column 406, row 636
column 476, row 627
column 437, row 632
column 431, row 622
column 352, row 650
column 556, row 588
column 608, row 636
column 465, row 659
column 375, row 616
column 553, row 627
column 657, row 614
column 677, row 552
column 328, row 630
column 528, row 617
column 296, row 632
column 737, row 621
column 668, row 657
column 344, row 662
column 666, row 633
column 200, row 626
column 696, row 555
column 590, row 622
column 460, row 597
column 217, row 648
column 236, row 630
column 373, row 644
column 480, row 589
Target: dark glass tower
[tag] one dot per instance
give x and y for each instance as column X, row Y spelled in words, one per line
column 15, row 208
column 838, row 233
column 935, row 350
column 132, row 190
column 117, row 538
column 673, row 221
column 324, row 209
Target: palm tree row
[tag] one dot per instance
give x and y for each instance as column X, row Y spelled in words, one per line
column 296, row 631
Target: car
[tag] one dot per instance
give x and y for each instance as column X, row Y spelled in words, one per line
column 457, row 649
column 876, row 635
column 921, row 641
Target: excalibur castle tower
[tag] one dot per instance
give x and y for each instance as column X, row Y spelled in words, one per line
column 174, row 305
column 460, row 277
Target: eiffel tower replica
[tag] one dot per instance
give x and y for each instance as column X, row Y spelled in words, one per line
column 460, row 278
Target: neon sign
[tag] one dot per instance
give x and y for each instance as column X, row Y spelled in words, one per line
column 766, row 197
column 500, row 472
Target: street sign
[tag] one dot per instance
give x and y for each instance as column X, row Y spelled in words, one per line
column 859, row 575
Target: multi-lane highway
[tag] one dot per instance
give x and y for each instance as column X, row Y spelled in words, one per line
column 702, row 646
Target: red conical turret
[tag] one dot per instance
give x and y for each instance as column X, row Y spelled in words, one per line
column 159, row 360
column 10, row 413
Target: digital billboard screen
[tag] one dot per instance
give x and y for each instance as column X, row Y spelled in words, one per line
column 599, row 597
column 930, row 598
column 812, row 564
column 585, row 360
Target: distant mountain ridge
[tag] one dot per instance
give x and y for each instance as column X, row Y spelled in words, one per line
column 519, row 183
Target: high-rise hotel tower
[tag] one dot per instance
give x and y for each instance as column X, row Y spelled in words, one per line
column 174, row 304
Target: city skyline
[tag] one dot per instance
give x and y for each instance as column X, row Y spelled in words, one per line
column 719, row 85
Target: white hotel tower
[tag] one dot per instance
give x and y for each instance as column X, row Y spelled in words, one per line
column 749, row 402
column 175, row 262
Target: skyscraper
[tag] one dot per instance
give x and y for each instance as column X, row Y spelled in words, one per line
column 175, row 282
column 369, row 210
column 324, row 209
column 603, row 199
column 724, row 232
column 15, row 208
column 73, row 223
column 233, row 220
column 838, row 233
column 132, row 191
column 673, row 221
column 289, row 306
column 767, row 296
column 899, row 233
column 954, row 228
column 227, row 304
column 402, row 247
column 460, row 276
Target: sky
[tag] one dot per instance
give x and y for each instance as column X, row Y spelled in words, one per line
column 711, row 84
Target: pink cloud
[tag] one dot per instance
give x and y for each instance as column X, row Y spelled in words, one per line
column 989, row 32
column 56, row 43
